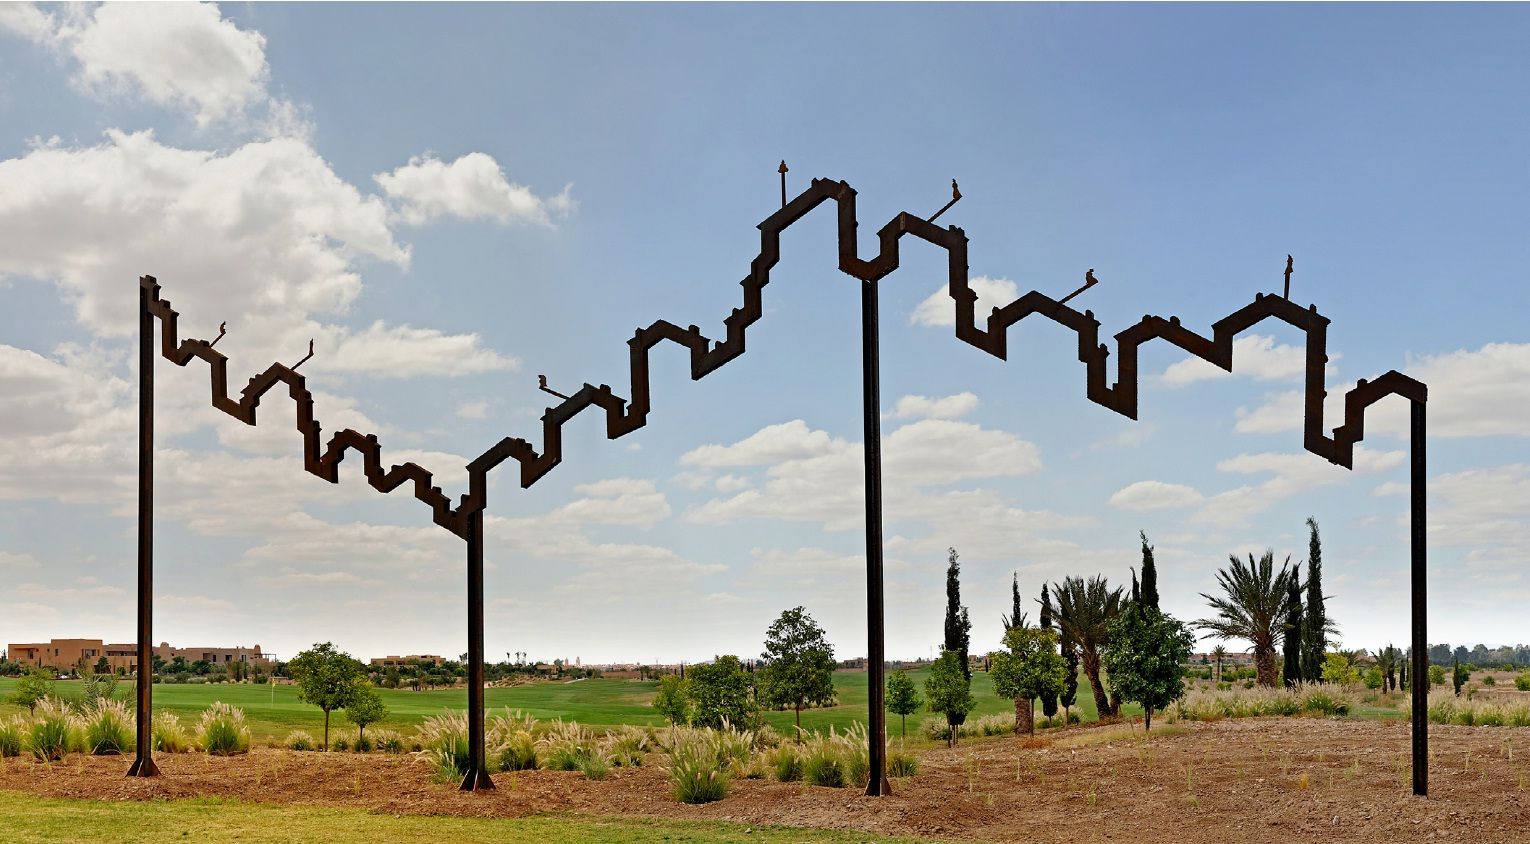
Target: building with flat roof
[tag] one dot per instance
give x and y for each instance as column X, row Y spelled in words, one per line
column 412, row 659
column 85, row 654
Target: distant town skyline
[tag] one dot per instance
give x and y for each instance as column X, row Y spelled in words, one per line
column 469, row 197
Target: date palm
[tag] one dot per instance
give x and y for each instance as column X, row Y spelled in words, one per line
column 1083, row 611
column 1218, row 654
column 1252, row 608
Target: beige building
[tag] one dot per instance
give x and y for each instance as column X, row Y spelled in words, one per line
column 216, row 656
column 75, row 654
column 412, row 659
column 85, row 654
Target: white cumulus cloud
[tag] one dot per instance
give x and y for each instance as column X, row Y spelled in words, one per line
column 923, row 407
column 939, row 310
column 472, row 187
column 1155, row 495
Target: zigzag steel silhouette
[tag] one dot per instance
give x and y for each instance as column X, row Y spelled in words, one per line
column 624, row 416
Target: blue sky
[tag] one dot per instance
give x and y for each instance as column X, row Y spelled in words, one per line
column 452, row 200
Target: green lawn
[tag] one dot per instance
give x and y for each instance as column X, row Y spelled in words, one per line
column 32, row 819
column 274, row 711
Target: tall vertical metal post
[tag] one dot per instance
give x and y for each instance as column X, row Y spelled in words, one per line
column 143, row 762
column 1420, row 666
column 477, row 778
column 876, row 783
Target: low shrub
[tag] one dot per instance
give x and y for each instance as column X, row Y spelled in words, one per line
column 340, row 745
column 13, row 736
column 300, row 740
column 108, row 728
column 363, row 744
column 1324, row 702
column 222, row 731
column 1522, row 681
column 53, row 732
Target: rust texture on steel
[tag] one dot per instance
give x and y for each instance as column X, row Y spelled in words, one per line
column 987, row 332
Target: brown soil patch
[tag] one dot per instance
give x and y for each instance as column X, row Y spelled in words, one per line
column 1231, row 781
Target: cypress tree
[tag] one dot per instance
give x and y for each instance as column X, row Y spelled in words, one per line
column 1315, row 620
column 1070, row 676
column 958, row 627
column 1292, row 644
column 1016, row 618
column 1136, row 590
column 1048, row 701
column 1149, row 574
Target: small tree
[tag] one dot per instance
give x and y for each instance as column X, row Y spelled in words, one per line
column 1436, row 675
column 720, row 693
column 1149, row 574
column 1291, row 647
column 1031, row 668
column 1145, row 658
column 673, row 700
column 902, row 698
column 365, row 707
column 799, row 668
column 33, row 688
column 958, row 626
column 1049, row 699
column 949, row 692
column 326, row 678
column 1315, row 625
column 1337, row 668
column 1459, row 673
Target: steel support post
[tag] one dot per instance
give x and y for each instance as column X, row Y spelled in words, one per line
column 143, row 762
column 477, row 778
column 876, row 783
column 1420, row 666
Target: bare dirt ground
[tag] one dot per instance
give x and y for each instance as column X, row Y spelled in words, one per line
column 1261, row 780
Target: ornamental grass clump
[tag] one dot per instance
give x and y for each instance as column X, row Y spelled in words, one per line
column 785, row 764
column 54, row 730
column 168, row 735
column 627, row 747
column 388, row 741
column 901, row 763
column 444, row 739
column 516, row 751
column 13, row 736
column 107, row 728
column 299, row 740
column 222, row 731
column 695, row 773
column 566, row 746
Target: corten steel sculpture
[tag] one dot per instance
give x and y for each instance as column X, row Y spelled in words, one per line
column 626, row 415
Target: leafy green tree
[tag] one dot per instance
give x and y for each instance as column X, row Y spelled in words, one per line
column 102, row 666
column 365, row 707
column 1070, row 675
column 32, row 688
column 1149, row 574
column 720, row 693
column 1339, row 668
column 1145, row 657
column 958, row 626
column 326, row 678
column 948, row 691
column 1084, row 610
column 1374, row 678
column 1460, row 672
column 1436, row 675
column 1049, row 700
column 902, row 698
column 1030, row 668
column 799, row 665
column 673, row 700
column 1315, row 625
column 1291, row 635
column 1253, row 609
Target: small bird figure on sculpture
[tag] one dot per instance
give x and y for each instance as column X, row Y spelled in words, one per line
column 542, row 385
column 1089, row 279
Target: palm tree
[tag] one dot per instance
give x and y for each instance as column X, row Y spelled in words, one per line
column 1083, row 612
column 1218, row 654
column 1387, row 659
column 1253, row 609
